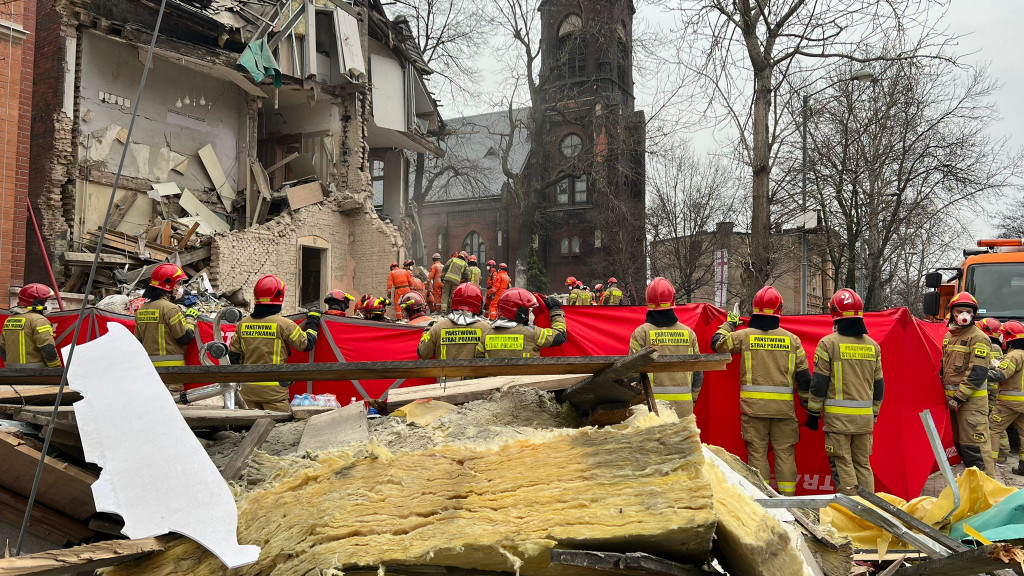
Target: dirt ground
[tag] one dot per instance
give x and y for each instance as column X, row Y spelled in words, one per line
column 936, row 482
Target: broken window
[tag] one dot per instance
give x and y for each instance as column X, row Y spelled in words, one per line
column 562, row 192
column 311, row 276
column 377, row 177
column 577, row 185
column 580, row 190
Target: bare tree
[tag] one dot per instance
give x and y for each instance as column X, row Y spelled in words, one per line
column 687, row 196
column 736, row 55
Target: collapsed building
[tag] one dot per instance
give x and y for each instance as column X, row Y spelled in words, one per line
column 271, row 138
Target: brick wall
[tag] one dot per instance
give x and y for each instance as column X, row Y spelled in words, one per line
column 16, row 51
column 454, row 221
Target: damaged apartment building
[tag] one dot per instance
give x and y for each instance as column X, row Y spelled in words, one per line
column 272, row 137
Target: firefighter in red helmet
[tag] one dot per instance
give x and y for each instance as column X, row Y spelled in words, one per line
column 511, row 336
column 160, row 324
column 993, row 328
column 26, row 340
column 456, row 335
column 473, row 271
column 1010, row 400
column 612, row 295
column 848, row 387
column 663, row 330
column 598, row 294
column 964, row 369
column 399, row 283
column 501, row 284
column 267, row 337
column 375, row 309
column 773, row 364
column 414, row 309
column 454, row 273
column 337, row 302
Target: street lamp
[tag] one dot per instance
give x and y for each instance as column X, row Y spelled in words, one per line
column 862, row 75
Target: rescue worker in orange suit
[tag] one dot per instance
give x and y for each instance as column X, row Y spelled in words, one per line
column 267, row 337
column 434, row 283
column 994, row 329
column 457, row 335
column 361, row 304
column 663, row 330
column 453, row 274
column 511, row 336
column 772, row 364
column 414, row 309
column 598, row 294
column 26, row 340
column 337, row 302
column 502, row 283
column 160, row 325
column 1010, row 401
column 399, row 282
column 848, row 384
column 473, row 271
column 376, row 309
column 612, row 295
column 492, row 273
column 964, row 372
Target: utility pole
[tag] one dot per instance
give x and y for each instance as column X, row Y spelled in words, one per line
column 803, row 210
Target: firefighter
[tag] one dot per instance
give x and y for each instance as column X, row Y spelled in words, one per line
column 337, row 302
column 399, row 282
column 26, row 340
column 574, row 290
column 434, row 283
column 267, row 337
column 361, row 305
column 964, row 371
column 160, row 325
column 848, row 384
column 663, row 330
column 414, row 309
column 502, row 283
column 492, row 273
column 598, row 294
column 376, row 309
column 612, row 296
column 453, row 274
column 994, row 330
column 474, row 271
column 511, row 336
column 586, row 296
column 1010, row 402
column 457, row 335
column 772, row 364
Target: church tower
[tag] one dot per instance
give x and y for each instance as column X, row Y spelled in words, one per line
column 591, row 217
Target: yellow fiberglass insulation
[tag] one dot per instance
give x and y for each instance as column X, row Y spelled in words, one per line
column 488, row 506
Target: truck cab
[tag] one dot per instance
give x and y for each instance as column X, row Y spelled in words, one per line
column 993, row 273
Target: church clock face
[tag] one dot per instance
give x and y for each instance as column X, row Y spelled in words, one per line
column 571, row 146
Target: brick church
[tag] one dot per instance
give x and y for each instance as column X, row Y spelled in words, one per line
column 587, row 178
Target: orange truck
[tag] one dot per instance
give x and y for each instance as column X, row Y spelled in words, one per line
column 993, row 273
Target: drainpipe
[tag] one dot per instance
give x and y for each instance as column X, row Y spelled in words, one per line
column 46, row 258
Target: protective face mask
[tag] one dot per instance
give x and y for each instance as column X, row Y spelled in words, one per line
column 178, row 292
column 964, row 318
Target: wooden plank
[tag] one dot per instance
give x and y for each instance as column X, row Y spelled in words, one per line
column 36, row 395
column 977, row 561
column 193, row 206
column 263, row 184
column 45, row 523
column 165, row 233
column 604, row 387
column 476, row 367
column 62, row 487
column 83, row 559
column 195, row 417
column 286, row 160
column 124, row 203
column 188, row 235
column 911, row 522
column 253, row 439
column 305, row 195
column 633, row 563
column 185, row 258
column 106, row 260
column 220, row 180
column 346, row 425
column 462, row 391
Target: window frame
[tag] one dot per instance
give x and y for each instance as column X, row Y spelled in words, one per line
column 480, row 251
column 578, row 145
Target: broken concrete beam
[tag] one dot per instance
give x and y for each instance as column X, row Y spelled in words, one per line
column 485, row 505
column 346, row 425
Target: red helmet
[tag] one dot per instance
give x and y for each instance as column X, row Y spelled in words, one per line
column 990, row 326
column 467, row 296
column 338, row 296
column 1012, row 330
column 570, row 281
column 964, row 299
column 464, row 255
column 35, row 295
column 165, row 276
column 512, row 303
column 436, row 256
column 579, row 285
column 472, row 258
column 394, row 265
column 492, row 263
column 660, row 294
column 375, row 306
column 502, row 266
column 412, row 301
column 768, row 301
column 612, row 280
column 407, row 264
column 598, row 287
column 844, row 304
column 269, row 290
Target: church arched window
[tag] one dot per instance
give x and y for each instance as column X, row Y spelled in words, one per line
column 474, row 246
column 622, row 55
column 572, row 48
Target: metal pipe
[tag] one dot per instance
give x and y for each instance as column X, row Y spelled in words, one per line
column 46, row 258
column 940, row 456
column 204, row 392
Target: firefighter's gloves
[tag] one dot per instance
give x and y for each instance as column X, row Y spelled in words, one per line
column 954, row 403
column 192, row 313
column 312, row 319
column 811, row 422
column 734, row 319
column 553, row 303
column 285, row 384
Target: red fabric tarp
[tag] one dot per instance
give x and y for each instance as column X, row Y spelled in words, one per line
column 902, row 459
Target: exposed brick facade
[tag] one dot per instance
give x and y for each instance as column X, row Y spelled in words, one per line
column 17, row 47
column 455, row 221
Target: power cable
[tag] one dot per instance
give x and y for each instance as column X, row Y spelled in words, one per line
column 88, row 286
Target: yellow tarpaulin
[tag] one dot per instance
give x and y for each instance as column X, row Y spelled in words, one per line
column 978, row 493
